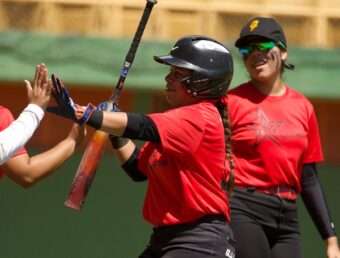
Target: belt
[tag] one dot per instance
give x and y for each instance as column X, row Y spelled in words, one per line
column 282, row 191
column 207, row 218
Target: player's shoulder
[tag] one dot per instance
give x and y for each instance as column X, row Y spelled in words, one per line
column 198, row 111
column 4, row 111
column 240, row 89
column 296, row 94
column 6, row 117
column 297, row 98
column 240, row 94
column 202, row 104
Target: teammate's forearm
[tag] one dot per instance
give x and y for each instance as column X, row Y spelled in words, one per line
column 27, row 171
column 45, row 163
column 19, row 132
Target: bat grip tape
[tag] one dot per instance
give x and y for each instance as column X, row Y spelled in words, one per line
column 137, row 38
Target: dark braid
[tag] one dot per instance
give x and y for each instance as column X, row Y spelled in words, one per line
column 223, row 110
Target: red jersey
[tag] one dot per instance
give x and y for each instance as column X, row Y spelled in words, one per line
column 272, row 137
column 6, row 118
column 186, row 169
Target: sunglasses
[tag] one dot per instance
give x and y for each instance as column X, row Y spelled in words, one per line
column 261, row 46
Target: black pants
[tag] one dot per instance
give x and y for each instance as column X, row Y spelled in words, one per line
column 210, row 236
column 264, row 226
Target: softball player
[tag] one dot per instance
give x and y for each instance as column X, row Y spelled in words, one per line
column 184, row 156
column 15, row 161
column 276, row 146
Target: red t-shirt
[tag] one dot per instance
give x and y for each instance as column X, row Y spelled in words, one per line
column 185, row 171
column 272, row 137
column 6, row 118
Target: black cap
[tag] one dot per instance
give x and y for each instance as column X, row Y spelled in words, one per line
column 259, row 28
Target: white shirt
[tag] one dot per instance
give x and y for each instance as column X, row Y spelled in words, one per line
column 20, row 131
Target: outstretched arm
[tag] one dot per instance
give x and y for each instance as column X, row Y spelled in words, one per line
column 26, row 170
column 21, row 130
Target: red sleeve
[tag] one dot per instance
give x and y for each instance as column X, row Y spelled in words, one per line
column 314, row 151
column 144, row 155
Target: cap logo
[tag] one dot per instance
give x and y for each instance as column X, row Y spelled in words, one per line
column 253, row 25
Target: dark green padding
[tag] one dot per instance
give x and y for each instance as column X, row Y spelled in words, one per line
column 98, row 61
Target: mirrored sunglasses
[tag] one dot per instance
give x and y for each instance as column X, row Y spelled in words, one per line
column 261, row 46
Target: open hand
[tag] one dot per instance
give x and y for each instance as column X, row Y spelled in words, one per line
column 66, row 106
column 40, row 93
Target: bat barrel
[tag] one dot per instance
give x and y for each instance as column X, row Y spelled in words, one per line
column 86, row 170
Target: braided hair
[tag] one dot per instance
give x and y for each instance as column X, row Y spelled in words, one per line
column 228, row 185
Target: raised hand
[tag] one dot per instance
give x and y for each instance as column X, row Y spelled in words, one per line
column 40, row 93
column 66, row 107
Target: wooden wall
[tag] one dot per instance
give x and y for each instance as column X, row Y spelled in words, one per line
column 310, row 23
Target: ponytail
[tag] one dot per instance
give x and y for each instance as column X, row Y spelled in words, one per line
column 223, row 110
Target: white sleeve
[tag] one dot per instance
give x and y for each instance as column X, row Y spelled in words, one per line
column 19, row 131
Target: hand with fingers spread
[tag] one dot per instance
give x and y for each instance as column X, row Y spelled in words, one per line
column 15, row 135
column 40, row 93
column 66, row 106
column 14, row 160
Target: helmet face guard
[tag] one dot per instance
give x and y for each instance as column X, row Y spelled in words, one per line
column 210, row 63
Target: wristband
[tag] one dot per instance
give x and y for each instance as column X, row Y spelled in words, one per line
column 87, row 114
column 96, row 119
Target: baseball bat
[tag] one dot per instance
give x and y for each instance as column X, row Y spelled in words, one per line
column 96, row 146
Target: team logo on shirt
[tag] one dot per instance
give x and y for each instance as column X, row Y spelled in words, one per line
column 265, row 129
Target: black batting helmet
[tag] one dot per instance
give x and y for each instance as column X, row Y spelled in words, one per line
column 211, row 64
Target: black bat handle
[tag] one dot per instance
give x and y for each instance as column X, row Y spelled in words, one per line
column 138, row 35
column 132, row 51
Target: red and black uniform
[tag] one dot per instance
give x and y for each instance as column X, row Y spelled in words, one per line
column 184, row 163
column 275, row 142
column 186, row 169
column 272, row 137
column 6, row 118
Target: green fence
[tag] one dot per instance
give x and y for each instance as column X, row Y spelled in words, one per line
column 98, row 61
column 36, row 224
